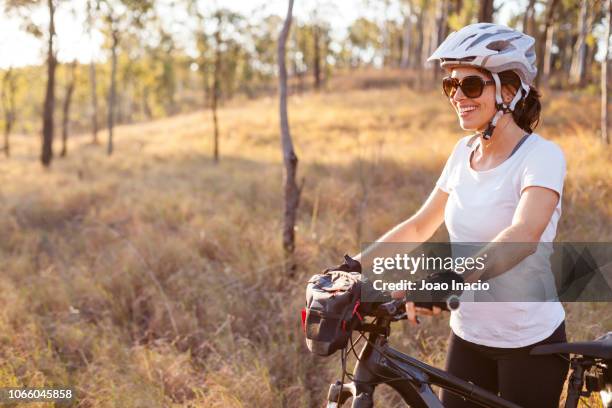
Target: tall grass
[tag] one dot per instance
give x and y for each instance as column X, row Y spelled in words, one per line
column 153, row 278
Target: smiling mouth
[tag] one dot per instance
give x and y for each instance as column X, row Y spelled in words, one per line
column 466, row 110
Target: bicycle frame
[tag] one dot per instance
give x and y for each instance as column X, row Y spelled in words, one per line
column 379, row 364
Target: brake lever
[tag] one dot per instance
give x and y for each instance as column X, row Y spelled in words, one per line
column 402, row 316
column 392, row 308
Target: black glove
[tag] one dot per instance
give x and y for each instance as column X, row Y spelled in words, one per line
column 349, row 265
column 443, row 299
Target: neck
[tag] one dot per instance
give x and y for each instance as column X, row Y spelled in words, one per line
column 504, row 138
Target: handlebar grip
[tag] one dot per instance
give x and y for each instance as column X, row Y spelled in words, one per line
column 452, row 303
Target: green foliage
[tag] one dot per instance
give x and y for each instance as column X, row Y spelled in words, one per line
column 364, row 37
column 156, row 76
column 466, row 16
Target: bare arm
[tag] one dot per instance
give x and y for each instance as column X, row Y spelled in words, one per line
column 532, row 215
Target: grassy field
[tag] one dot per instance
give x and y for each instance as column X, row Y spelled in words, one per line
column 152, row 278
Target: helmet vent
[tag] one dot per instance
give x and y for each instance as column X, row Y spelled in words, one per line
column 498, row 45
column 466, row 38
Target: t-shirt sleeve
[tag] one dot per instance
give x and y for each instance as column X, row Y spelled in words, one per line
column 545, row 167
column 443, row 182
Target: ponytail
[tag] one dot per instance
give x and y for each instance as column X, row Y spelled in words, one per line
column 527, row 111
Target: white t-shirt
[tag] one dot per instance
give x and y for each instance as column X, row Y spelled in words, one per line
column 480, row 205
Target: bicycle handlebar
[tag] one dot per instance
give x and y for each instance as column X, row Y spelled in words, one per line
column 396, row 308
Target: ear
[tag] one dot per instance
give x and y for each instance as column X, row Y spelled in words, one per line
column 508, row 93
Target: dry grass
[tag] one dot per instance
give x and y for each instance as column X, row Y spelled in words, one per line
column 152, row 278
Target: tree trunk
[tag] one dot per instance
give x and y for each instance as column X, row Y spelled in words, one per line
column 215, row 95
column 47, row 142
column 529, row 19
column 7, row 132
column 94, row 102
column 589, row 50
column 439, row 30
column 542, row 47
column 92, row 79
column 316, row 56
column 605, row 65
column 485, row 13
column 112, row 95
column 9, row 91
column 386, row 40
column 146, row 108
column 290, row 160
column 66, row 110
column 426, row 38
column 406, row 39
column 578, row 60
column 418, row 61
column 547, row 61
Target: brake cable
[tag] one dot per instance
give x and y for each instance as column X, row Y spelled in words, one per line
column 352, row 348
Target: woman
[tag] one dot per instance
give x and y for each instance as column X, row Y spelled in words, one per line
column 502, row 185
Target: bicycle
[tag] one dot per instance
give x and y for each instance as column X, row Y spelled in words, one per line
column 378, row 363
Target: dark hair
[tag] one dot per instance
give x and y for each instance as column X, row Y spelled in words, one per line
column 526, row 112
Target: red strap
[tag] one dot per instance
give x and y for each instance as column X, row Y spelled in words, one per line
column 304, row 319
column 355, row 311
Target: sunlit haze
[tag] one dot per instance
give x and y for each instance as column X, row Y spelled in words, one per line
column 18, row 48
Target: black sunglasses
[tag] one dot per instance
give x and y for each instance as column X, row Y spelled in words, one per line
column 471, row 86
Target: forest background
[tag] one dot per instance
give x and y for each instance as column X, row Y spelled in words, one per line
column 143, row 263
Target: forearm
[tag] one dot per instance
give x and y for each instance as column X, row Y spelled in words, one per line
column 510, row 247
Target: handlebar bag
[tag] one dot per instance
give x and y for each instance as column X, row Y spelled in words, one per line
column 332, row 311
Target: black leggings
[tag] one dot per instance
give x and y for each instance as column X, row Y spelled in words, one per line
column 529, row 381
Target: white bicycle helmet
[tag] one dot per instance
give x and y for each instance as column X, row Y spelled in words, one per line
column 495, row 48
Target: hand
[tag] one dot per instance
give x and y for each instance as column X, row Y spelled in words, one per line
column 412, row 311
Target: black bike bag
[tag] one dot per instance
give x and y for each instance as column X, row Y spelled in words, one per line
column 332, row 311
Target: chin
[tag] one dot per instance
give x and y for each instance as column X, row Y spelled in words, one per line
column 469, row 126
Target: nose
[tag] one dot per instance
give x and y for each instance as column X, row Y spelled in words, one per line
column 458, row 96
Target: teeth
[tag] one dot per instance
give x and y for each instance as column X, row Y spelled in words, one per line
column 467, row 109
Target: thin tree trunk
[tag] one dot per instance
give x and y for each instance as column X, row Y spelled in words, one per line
column 92, row 78
column 146, row 108
column 542, row 47
column 406, row 39
column 66, row 110
column 485, row 13
column 9, row 90
column 7, row 132
column 550, row 33
column 112, row 95
column 317, row 56
column 529, row 18
column 578, row 60
column 439, row 32
column 418, row 61
column 589, row 50
column 567, row 54
column 605, row 65
column 386, row 41
column 290, row 160
column 215, row 96
column 47, row 142
column 94, row 102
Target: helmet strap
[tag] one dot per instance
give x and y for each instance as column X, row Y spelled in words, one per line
column 502, row 108
column 499, row 104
